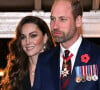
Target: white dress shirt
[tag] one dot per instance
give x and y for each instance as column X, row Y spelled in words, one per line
column 73, row 49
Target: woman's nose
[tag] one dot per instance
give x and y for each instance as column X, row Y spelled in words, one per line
column 27, row 40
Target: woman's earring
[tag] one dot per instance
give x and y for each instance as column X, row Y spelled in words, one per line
column 44, row 46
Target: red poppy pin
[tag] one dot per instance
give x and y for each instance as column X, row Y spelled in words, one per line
column 85, row 58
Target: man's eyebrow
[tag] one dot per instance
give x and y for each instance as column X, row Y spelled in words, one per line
column 62, row 17
column 51, row 16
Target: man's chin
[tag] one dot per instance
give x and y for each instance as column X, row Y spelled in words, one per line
column 57, row 40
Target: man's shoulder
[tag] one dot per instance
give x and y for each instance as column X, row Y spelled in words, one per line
column 91, row 44
column 91, row 48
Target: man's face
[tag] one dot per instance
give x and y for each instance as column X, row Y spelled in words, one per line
column 63, row 26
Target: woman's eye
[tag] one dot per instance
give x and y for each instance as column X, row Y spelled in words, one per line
column 34, row 35
column 22, row 37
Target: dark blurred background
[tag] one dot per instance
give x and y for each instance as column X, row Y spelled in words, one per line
column 45, row 5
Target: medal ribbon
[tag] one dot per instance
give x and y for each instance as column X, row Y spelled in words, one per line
column 68, row 58
column 81, row 71
column 94, row 69
column 85, row 71
column 91, row 72
column 97, row 69
column 76, row 69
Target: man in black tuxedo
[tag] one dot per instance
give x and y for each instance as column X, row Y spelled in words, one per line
column 66, row 23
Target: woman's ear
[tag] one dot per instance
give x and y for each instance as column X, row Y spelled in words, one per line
column 45, row 38
column 79, row 21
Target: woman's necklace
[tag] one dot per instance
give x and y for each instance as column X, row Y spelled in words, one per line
column 32, row 67
column 33, row 72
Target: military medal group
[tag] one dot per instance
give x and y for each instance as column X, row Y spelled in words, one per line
column 83, row 73
column 86, row 72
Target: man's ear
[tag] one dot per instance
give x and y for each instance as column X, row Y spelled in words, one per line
column 79, row 21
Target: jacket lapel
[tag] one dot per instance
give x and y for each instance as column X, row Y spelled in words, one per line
column 36, row 85
column 56, row 68
column 54, row 76
column 83, row 49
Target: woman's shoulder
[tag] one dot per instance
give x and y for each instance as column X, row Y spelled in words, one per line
column 51, row 51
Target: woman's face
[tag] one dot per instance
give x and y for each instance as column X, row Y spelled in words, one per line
column 32, row 39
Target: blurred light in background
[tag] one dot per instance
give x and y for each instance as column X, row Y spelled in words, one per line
column 1, row 73
column 9, row 21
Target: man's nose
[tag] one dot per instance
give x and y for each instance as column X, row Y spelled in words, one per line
column 55, row 24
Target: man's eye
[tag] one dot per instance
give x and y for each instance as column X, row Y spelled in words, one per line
column 52, row 18
column 63, row 19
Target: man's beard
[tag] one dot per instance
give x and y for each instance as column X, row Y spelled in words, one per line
column 64, row 37
column 59, row 39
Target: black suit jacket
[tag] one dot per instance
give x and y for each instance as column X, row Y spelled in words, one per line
column 48, row 69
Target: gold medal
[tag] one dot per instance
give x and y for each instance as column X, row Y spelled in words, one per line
column 78, row 79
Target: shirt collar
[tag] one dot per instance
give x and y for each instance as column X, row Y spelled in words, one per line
column 74, row 48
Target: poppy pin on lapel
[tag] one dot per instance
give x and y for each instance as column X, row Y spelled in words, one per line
column 85, row 58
